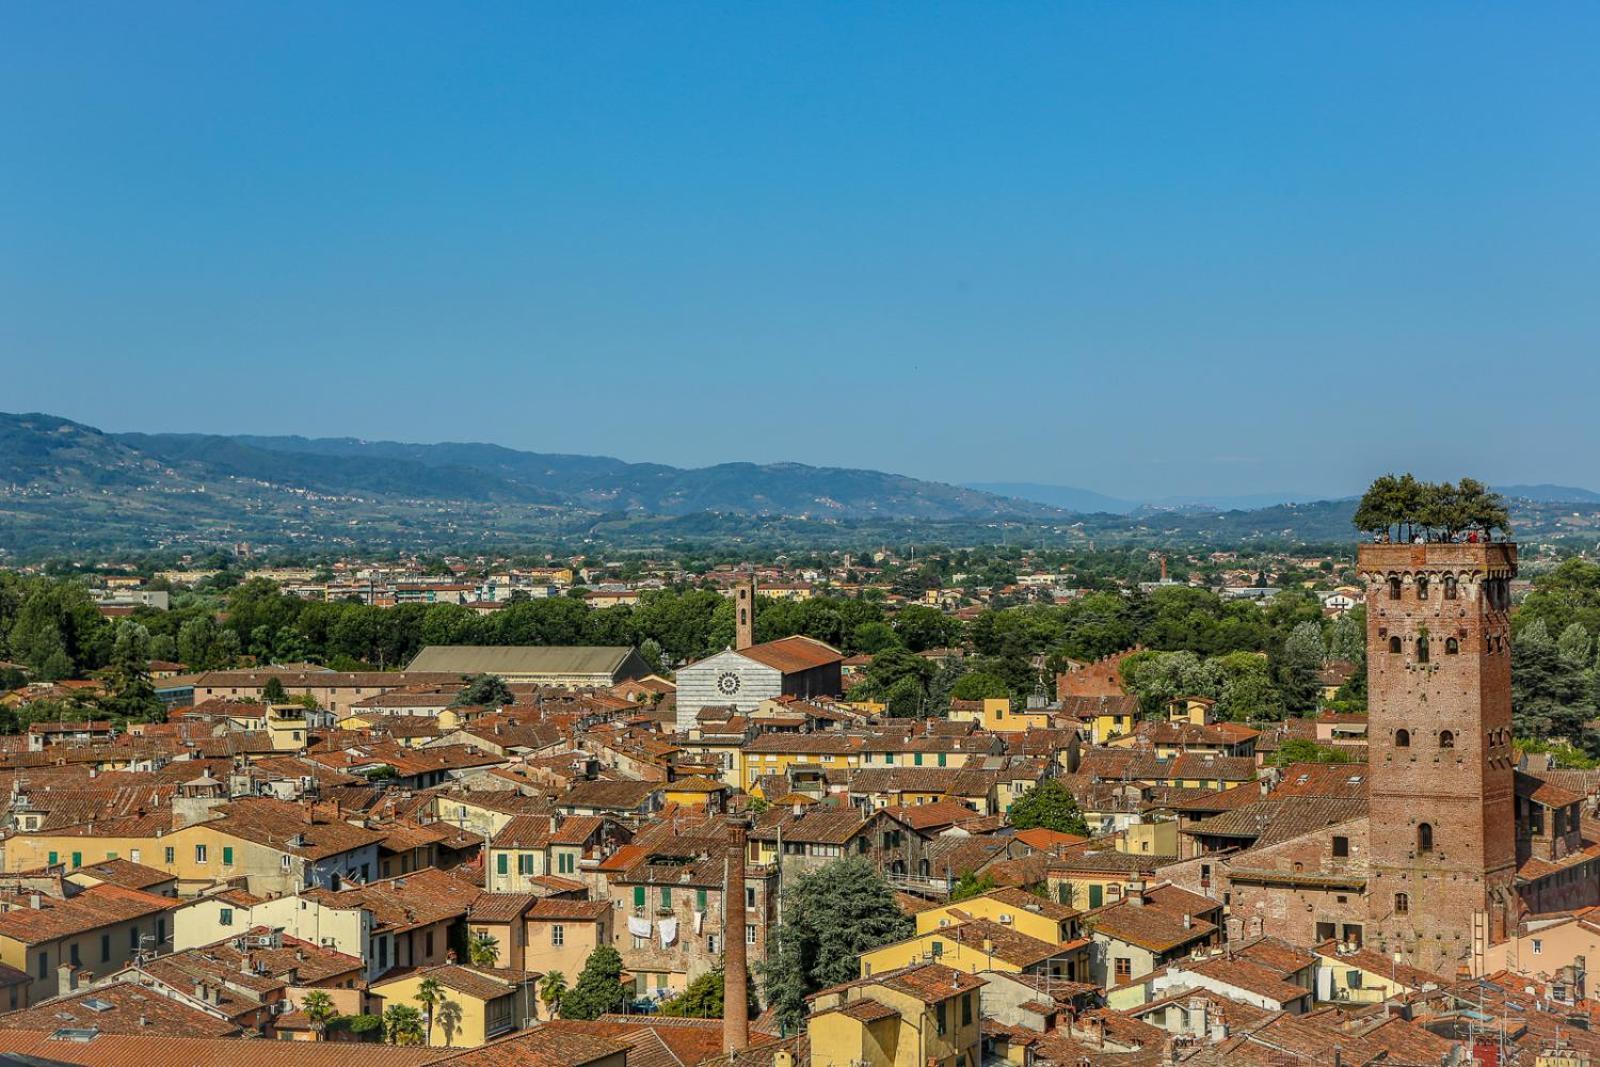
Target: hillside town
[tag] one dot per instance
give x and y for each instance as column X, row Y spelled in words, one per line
column 497, row 853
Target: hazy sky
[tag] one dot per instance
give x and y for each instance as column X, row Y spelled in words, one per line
column 1145, row 248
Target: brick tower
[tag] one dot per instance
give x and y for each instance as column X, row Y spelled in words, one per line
column 1442, row 850
column 744, row 614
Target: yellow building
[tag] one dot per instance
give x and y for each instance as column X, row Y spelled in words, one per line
column 1150, row 838
column 1089, row 880
column 286, row 725
column 562, row 933
column 1363, row 976
column 1196, row 711
column 974, row 945
column 697, row 793
column 1017, row 908
column 99, row 929
column 477, row 1005
column 921, row 1016
column 995, row 715
column 772, row 754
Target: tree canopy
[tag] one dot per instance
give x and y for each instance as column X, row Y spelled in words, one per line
column 599, row 988
column 1050, row 805
column 1401, row 506
column 831, row 916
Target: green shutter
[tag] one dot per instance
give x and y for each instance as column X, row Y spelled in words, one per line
column 1097, row 895
column 77, row 859
column 941, row 759
column 53, row 859
column 638, row 896
column 700, row 900
column 918, row 758
column 227, row 855
column 500, row 863
column 666, row 896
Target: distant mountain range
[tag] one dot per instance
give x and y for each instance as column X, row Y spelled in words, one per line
column 67, row 483
column 1088, row 501
column 67, row 488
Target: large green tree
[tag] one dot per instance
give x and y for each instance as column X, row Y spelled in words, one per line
column 1049, row 805
column 702, row 999
column 599, row 988
column 830, row 917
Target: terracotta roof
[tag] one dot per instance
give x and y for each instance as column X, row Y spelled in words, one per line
column 1149, row 928
column 286, row 827
column 128, row 1005
column 98, row 906
column 793, row 654
column 866, row 1010
column 125, row 873
column 554, row 908
column 554, row 1044
column 145, row 1048
column 500, row 907
column 481, row 983
column 623, row 795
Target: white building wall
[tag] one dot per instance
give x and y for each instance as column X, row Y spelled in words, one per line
column 698, row 688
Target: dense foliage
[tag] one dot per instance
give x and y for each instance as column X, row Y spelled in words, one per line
column 1050, row 805
column 599, row 988
column 703, row 998
column 1404, row 507
column 830, row 917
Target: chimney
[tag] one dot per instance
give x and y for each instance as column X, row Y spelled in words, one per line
column 66, row 978
column 1188, row 921
column 34, row 901
column 200, row 991
column 735, row 995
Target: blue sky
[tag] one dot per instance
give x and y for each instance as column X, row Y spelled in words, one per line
column 1144, row 248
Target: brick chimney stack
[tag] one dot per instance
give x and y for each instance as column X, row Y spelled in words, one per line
column 735, row 982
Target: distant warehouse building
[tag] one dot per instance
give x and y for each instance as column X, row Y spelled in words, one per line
column 567, row 666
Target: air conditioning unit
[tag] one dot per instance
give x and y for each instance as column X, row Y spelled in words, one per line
column 1005, row 918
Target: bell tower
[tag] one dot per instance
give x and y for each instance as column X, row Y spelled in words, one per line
column 744, row 614
column 1442, row 846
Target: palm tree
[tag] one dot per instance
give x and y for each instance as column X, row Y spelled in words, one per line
column 483, row 950
column 404, row 1024
column 319, row 1009
column 430, row 994
column 552, row 987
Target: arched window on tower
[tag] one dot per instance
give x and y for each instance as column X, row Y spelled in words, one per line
column 1425, row 837
column 1449, row 587
column 1422, row 649
column 1452, row 647
column 1394, row 644
column 1402, row 903
column 1422, row 587
column 1447, row 739
column 1394, row 587
column 1402, row 738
